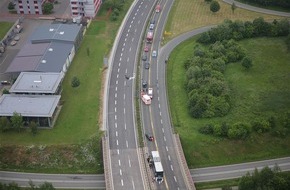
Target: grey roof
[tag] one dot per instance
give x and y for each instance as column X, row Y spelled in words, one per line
column 36, row 82
column 44, row 57
column 28, row 106
column 56, row 32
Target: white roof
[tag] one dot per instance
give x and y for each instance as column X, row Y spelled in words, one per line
column 37, row 82
column 28, row 105
column 157, row 161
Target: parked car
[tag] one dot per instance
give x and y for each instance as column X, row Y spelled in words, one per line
column 146, row 65
column 144, row 57
column 149, row 137
column 154, row 53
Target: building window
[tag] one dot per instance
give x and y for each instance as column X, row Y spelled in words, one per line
column 35, row 2
column 36, row 7
column 21, row 12
column 36, row 12
column 73, row 3
column 20, row 1
column 20, row 6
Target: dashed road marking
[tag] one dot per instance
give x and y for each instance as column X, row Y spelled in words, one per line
column 175, row 179
column 116, row 133
column 166, row 148
column 127, row 143
column 117, row 142
column 171, row 167
column 169, row 158
column 121, row 172
column 119, row 162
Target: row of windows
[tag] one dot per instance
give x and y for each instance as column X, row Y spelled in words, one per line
column 75, row 8
column 36, row 12
column 20, row 1
column 74, row 3
column 20, row 7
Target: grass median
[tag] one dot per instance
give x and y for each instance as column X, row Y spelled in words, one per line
column 4, row 28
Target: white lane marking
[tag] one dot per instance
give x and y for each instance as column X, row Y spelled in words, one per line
column 129, row 29
column 136, row 30
column 125, row 83
column 119, row 68
column 127, row 143
column 137, row 10
column 118, row 151
column 125, row 126
column 145, row 6
column 117, row 142
column 135, row 14
column 134, row 17
column 115, row 102
column 115, row 117
column 178, row 188
column 122, row 49
column 124, row 96
column 127, row 35
column 129, row 51
column 131, row 22
column 166, row 148
column 126, row 70
column 129, row 163
column 160, row 113
column 119, row 64
column 132, row 39
column 159, row 106
column 175, row 179
column 142, row 14
column 116, row 88
column 115, row 109
column 169, row 158
column 121, row 172
column 138, row 21
column 133, row 184
column 124, row 111
column 158, row 99
column 116, row 95
column 164, row 138
column 119, row 162
column 171, row 167
column 141, row 2
column 162, row 129
column 117, row 82
column 122, row 183
column 128, row 57
column 124, row 44
column 117, row 75
column 121, row 54
column 116, row 125
column 116, row 133
column 161, row 121
column 125, row 39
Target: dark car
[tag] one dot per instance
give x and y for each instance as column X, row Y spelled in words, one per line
column 144, row 84
column 147, row 65
column 144, row 57
column 149, row 137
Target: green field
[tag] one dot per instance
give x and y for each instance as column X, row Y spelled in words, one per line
column 187, row 15
column 4, row 28
column 262, row 91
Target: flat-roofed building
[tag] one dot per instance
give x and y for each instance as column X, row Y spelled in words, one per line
column 29, row 6
column 37, row 108
column 37, row 83
column 86, row 8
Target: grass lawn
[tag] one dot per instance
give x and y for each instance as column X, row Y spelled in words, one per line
column 190, row 14
column 4, row 28
column 262, row 91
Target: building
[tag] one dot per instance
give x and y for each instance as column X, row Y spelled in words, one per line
column 86, row 8
column 29, row 6
column 50, row 48
column 40, row 109
column 37, row 83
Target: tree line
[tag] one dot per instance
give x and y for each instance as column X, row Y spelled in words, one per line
column 14, row 186
column 279, row 3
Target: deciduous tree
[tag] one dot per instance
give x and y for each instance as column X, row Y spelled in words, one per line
column 214, row 6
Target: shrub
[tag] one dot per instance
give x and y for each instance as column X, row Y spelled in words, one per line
column 239, row 131
column 247, row 63
column 75, row 82
column 207, row 129
column 5, row 91
column 214, row 6
column 261, row 126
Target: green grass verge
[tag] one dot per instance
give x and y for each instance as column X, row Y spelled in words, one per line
column 4, row 28
column 217, row 184
column 262, row 91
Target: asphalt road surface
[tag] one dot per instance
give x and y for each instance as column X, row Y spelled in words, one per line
column 126, row 170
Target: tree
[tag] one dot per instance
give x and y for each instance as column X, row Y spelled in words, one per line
column 234, row 7
column 11, row 6
column 17, row 121
column 47, row 8
column 33, row 127
column 46, row 186
column 247, row 63
column 5, row 91
column 214, row 6
column 4, row 124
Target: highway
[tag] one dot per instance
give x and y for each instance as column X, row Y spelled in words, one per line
column 156, row 120
column 126, row 168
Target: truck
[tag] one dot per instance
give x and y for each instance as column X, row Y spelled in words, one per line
column 150, row 92
column 158, row 8
column 149, row 37
column 145, row 98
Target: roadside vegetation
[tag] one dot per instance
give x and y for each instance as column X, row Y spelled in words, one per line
column 4, row 28
column 281, row 5
column 186, row 15
column 260, row 92
column 74, row 144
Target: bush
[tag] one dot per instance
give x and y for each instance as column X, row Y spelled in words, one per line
column 239, row 131
column 247, row 63
column 5, row 91
column 47, row 8
column 207, row 129
column 75, row 82
column 214, row 6
column 261, row 126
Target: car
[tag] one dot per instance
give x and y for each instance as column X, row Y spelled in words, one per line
column 154, row 53
column 144, row 85
column 144, row 57
column 149, row 137
column 146, row 48
column 151, row 27
column 158, row 8
column 146, row 65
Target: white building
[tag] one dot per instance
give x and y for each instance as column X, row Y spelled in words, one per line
column 29, row 6
column 86, row 8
